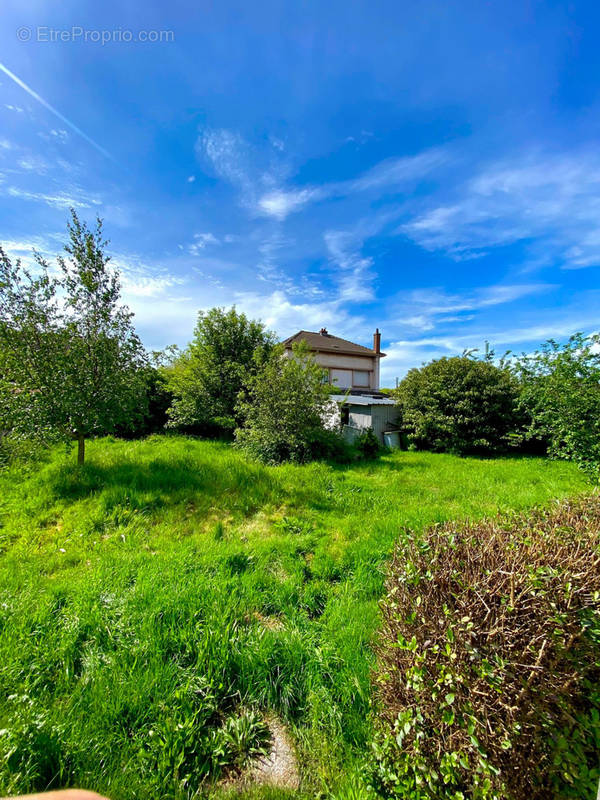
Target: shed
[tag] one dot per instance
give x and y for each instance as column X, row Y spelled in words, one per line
column 356, row 413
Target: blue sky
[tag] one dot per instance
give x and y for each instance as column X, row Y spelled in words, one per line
column 430, row 168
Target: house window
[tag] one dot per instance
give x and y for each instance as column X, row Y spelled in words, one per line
column 345, row 415
column 360, row 378
column 325, row 376
column 341, row 378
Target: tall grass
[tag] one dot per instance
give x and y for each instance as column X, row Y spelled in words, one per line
column 152, row 602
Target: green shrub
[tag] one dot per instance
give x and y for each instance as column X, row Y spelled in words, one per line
column 366, row 444
column 206, row 378
column 328, row 445
column 460, row 405
column 561, row 396
column 283, row 411
column 489, row 660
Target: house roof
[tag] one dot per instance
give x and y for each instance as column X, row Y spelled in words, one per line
column 327, row 343
column 362, row 400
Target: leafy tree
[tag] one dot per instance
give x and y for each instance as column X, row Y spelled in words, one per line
column 459, row 404
column 561, row 395
column 208, row 375
column 72, row 364
column 283, row 409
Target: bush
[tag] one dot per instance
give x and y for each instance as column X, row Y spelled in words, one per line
column 154, row 416
column 284, row 408
column 328, row 445
column 206, row 378
column 459, row 405
column 366, row 444
column 489, row 660
column 561, row 395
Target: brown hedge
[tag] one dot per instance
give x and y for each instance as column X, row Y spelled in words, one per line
column 488, row 676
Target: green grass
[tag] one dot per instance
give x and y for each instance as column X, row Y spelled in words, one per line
column 154, row 601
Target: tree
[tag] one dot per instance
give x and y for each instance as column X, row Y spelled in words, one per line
column 283, row 409
column 208, row 375
column 561, row 395
column 72, row 362
column 459, row 404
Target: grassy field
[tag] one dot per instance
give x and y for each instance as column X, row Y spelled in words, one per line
column 155, row 603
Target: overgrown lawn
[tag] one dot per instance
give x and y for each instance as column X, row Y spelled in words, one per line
column 155, row 603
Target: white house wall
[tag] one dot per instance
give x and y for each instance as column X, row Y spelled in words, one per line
column 340, row 361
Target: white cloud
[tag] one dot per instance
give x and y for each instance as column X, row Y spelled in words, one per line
column 55, row 134
column 395, row 172
column 191, row 178
column 138, row 283
column 33, row 163
column 284, row 315
column 525, row 331
column 60, row 200
column 392, row 174
column 201, row 240
column 424, row 309
column 228, row 154
column 353, row 273
column 272, row 250
column 255, row 173
column 264, row 188
column 551, row 203
column 22, row 249
column 279, row 203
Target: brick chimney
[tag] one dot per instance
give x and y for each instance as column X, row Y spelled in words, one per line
column 377, row 341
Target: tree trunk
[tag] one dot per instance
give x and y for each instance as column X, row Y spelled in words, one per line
column 80, row 448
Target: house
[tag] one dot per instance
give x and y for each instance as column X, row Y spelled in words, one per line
column 347, row 365
column 354, row 370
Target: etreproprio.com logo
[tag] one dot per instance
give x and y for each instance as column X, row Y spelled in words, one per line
column 76, row 33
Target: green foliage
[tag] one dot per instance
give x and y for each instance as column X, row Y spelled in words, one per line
column 561, row 395
column 70, row 361
column 208, row 375
column 367, row 444
column 31, row 748
column 283, row 410
column 189, row 744
column 489, row 660
column 460, row 404
column 153, row 598
column 157, row 401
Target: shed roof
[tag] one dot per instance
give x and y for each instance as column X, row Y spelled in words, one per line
column 327, row 343
column 362, row 400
